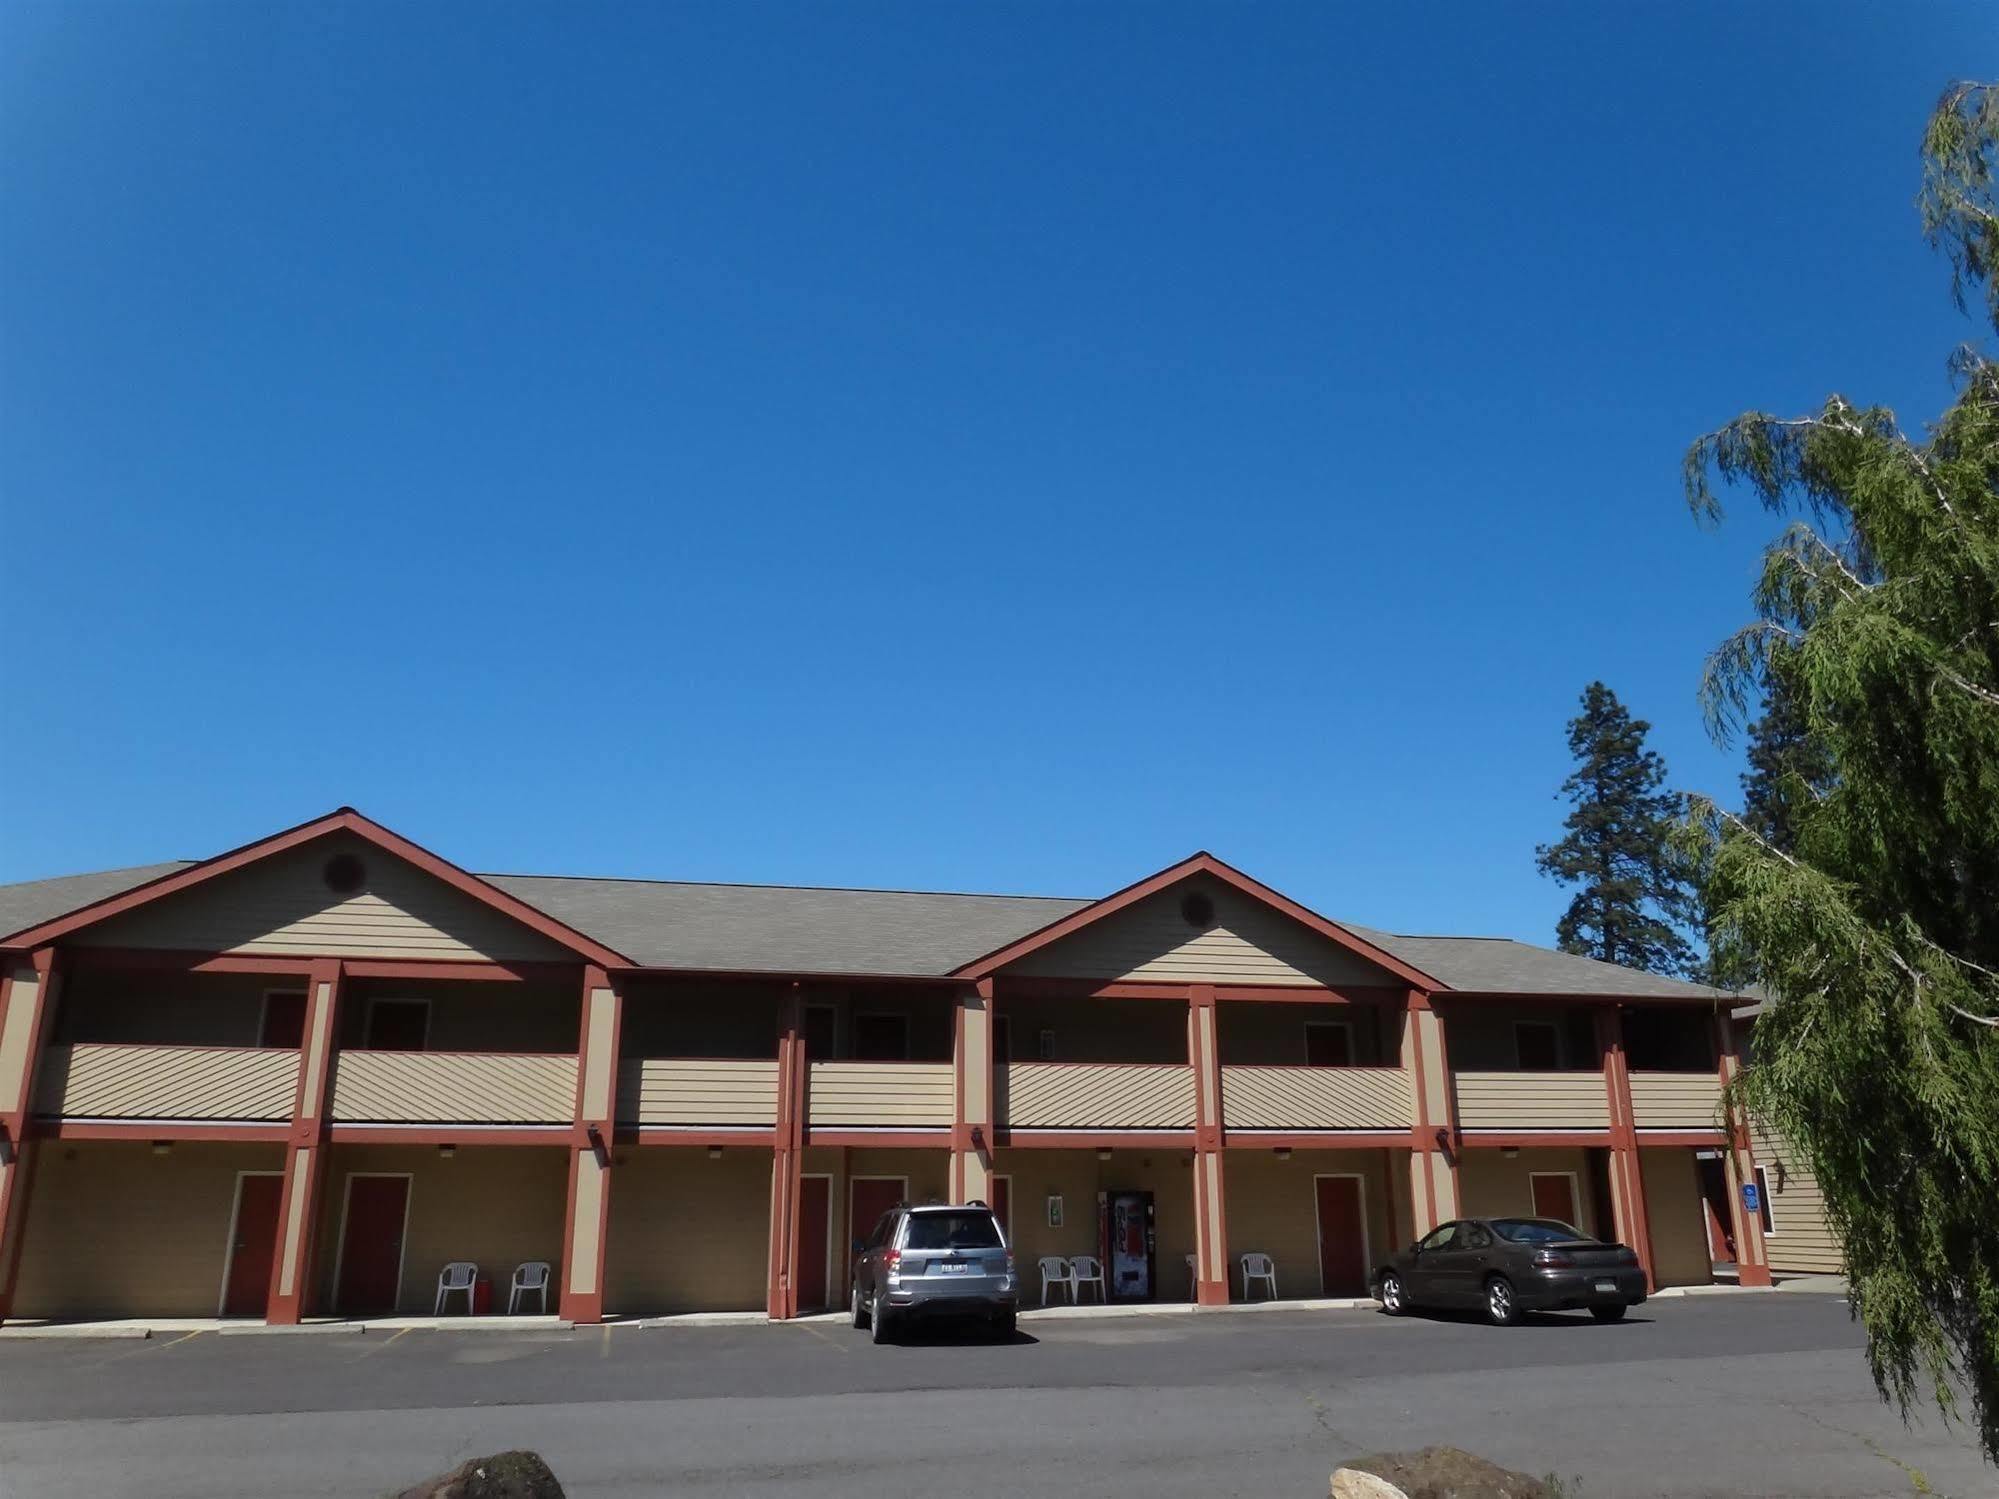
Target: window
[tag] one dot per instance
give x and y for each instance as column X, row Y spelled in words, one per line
column 820, row 1030
column 1044, row 1046
column 398, row 1024
column 1476, row 1237
column 883, row 1226
column 1537, row 1046
column 973, row 1230
column 881, row 1038
column 1536, row 1231
column 283, row 1022
column 1328, row 1043
column 1763, row 1202
column 1440, row 1238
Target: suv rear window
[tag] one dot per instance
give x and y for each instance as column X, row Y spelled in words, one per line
column 968, row 1230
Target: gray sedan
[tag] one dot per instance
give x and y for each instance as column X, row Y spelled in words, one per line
column 1506, row 1266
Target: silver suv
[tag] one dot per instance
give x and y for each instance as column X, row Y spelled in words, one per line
column 934, row 1261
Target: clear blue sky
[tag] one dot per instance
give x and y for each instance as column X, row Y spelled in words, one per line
column 994, row 447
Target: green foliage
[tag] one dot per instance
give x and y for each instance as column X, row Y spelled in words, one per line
column 1863, row 888
column 1634, row 895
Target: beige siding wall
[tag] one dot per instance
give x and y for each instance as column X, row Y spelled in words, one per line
column 907, row 1094
column 167, row 1009
column 1677, row 1215
column 1315, row 1098
column 282, row 905
column 494, row 1205
column 1676, row 1100
column 167, row 1082
column 724, row 1092
column 1273, row 1210
column 535, row 1015
column 699, row 1020
column 1074, row 1095
column 1273, row 1035
column 688, row 1234
column 1800, row 1241
column 1532, row 1100
column 116, row 1231
column 1077, row 1176
column 406, row 1087
column 1097, row 1030
column 1248, row 944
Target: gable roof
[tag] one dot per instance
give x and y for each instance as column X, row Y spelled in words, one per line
column 1499, row 965
column 176, row 878
column 34, row 902
column 1207, row 864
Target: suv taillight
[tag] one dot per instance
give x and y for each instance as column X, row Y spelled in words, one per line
column 892, row 1260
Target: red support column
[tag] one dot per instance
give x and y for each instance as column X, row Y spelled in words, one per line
column 291, row 1294
column 1211, row 1219
column 1752, row 1255
column 1433, row 1134
column 589, row 1201
column 29, row 989
column 972, row 1122
column 787, row 1157
column 1627, row 1178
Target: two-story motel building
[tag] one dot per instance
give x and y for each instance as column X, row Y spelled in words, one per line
column 295, row 1079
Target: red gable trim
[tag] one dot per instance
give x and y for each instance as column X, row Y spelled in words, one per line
column 1208, row 864
column 346, row 819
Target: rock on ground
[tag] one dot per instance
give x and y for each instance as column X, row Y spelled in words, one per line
column 1433, row 1473
column 505, row 1475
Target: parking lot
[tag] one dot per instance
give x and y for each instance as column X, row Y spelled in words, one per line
column 1740, row 1394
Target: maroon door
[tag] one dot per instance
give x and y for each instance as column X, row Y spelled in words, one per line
column 813, row 1206
column 254, row 1248
column 398, row 1025
column 284, row 1021
column 1342, row 1237
column 371, row 1249
column 871, row 1196
column 1555, row 1197
column 1714, row 1196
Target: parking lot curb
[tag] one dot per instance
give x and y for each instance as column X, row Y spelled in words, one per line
column 31, row 1333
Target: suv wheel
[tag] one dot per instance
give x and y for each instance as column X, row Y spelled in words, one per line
column 860, row 1312
column 877, row 1320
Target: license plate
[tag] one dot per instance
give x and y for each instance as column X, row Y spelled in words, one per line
column 1607, row 1287
column 951, row 1269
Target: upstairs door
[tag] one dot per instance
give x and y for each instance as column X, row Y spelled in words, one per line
column 253, row 1247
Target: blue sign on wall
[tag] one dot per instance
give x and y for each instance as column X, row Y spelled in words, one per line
column 1750, row 1198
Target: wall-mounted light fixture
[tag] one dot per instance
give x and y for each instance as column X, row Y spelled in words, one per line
column 1509, row 1152
column 1103, row 1153
column 714, row 1152
column 163, row 1147
column 446, row 1152
column 1284, row 1152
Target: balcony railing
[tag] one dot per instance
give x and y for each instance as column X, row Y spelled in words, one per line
column 453, row 1087
column 110, row 1081
column 1676, row 1100
column 894, row 1095
column 723, row 1094
column 1532, row 1101
column 1315, row 1098
column 1096, row 1095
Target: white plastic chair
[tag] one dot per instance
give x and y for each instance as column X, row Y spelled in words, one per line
column 1086, row 1269
column 1258, row 1267
column 459, row 1275
column 1055, row 1271
column 530, row 1279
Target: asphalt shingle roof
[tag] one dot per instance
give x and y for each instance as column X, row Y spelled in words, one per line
column 903, row 933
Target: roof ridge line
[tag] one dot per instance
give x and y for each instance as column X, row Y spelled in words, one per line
column 635, row 879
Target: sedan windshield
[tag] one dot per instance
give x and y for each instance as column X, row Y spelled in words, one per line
column 1537, row 1231
column 952, row 1231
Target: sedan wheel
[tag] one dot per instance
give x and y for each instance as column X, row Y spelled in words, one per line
column 1499, row 1303
column 1393, row 1299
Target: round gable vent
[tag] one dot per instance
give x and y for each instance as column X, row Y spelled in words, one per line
column 344, row 874
column 1197, row 910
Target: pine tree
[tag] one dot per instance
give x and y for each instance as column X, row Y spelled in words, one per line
column 1634, row 893
column 1877, row 930
column 1788, row 769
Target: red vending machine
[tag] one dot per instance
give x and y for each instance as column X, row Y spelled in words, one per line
column 1126, row 1235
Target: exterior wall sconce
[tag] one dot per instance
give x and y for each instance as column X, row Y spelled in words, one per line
column 446, row 1152
column 1103, row 1152
column 1509, row 1152
column 714, row 1152
column 163, row 1147
column 1284, row 1152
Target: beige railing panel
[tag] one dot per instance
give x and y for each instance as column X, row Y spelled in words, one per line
column 1315, row 1098
column 724, row 1093
column 453, row 1087
column 1532, row 1100
column 167, row 1082
column 909, row 1095
column 1091, row 1095
column 1676, row 1100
